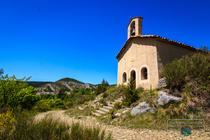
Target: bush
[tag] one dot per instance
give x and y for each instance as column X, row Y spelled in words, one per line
column 189, row 68
column 191, row 75
column 26, row 98
column 130, row 96
column 15, row 93
column 7, row 122
column 78, row 96
column 48, row 104
column 117, row 105
column 102, row 87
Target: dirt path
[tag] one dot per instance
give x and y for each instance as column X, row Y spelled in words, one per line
column 120, row 133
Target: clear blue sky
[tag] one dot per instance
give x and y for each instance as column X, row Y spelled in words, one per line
column 51, row 39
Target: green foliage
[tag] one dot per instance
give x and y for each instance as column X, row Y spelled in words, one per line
column 117, row 105
column 26, row 98
column 189, row 68
column 191, row 74
column 78, row 96
column 75, row 112
column 47, row 104
column 149, row 96
column 15, row 93
column 102, row 87
column 113, row 92
column 130, row 96
column 7, row 122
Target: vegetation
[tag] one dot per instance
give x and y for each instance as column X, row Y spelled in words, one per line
column 17, row 98
column 187, row 69
column 102, row 87
column 188, row 77
column 131, row 95
column 49, row 129
column 16, row 93
column 191, row 75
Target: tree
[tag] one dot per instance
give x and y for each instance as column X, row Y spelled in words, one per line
column 102, row 87
column 15, row 92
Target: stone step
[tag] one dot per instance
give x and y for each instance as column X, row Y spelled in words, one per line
column 100, row 112
column 108, row 107
column 96, row 114
column 111, row 105
column 105, row 109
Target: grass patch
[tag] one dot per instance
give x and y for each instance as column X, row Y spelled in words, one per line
column 75, row 112
column 48, row 129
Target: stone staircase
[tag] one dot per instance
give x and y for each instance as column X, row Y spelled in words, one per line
column 106, row 109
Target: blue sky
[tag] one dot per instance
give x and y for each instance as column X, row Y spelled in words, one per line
column 51, row 39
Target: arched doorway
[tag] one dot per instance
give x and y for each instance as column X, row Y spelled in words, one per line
column 133, row 79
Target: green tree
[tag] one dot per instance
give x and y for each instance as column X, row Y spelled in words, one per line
column 102, row 87
column 15, row 92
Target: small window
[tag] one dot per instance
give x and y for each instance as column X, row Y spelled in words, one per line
column 124, row 77
column 144, row 74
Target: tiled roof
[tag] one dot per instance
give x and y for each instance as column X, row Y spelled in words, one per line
column 166, row 40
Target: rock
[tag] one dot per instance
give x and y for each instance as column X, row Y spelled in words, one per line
column 141, row 108
column 118, row 114
column 126, row 110
column 165, row 98
column 162, row 83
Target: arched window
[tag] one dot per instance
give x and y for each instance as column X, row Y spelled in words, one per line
column 144, row 73
column 132, row 29
column 133, row 79
column 124, row 77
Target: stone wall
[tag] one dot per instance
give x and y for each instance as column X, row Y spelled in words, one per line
column 140, row 53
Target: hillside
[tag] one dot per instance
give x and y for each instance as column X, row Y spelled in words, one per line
column 62, row 85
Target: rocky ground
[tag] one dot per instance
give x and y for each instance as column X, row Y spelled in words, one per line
column 120, row 133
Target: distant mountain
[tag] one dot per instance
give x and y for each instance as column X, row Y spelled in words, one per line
column 69, row 80
column 62, row 85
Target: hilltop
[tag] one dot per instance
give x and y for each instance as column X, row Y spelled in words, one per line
column 62, row 85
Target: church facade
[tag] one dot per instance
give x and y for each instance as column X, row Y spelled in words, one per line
column 143, row 57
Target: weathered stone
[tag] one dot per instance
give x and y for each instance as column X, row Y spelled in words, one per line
column 162, row 83
column 165, row 98
column 142, row 108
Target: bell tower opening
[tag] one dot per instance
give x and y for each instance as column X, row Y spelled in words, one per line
column 132, row 29
column 135, row 27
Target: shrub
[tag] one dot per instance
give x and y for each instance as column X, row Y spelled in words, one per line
column 7, row 122
column 149, row 96
column 130, row 96
column 189, row 68
column 102, row 87
column 191, row 73
column 78, row 96
column 117, row 105
column 15, row 93
column 48, row 104
column 26, row 98
column 48, row 96
column 42, row 106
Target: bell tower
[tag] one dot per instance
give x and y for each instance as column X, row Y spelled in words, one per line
column 135, row 27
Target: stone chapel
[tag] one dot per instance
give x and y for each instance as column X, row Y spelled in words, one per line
column 142, row 58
